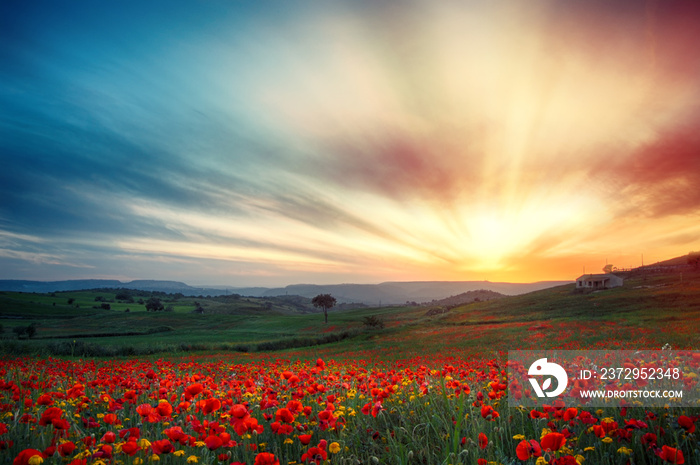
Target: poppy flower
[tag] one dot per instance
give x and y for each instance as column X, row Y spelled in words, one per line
column 489, row 413
column 483, row 441
column 686, row 423
column 671, row 455
column 527, row 449
column 266, row 458
column 314, row 454
column 164, row 408
column 130, row 447
column 210, row 405
column 565, row 460
column 50, row 414
column 598, row 431
column 570, row 414
column 305, row 439
column 66, row 448
column 553, row 441
column 193, row 389
column 162, row 446
column 649, row 439
column 213, row 442
column 24, row 457
column 284, row 415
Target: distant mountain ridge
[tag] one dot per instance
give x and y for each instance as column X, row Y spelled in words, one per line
column 171, row 287
column 392, row 293
column 388, row 293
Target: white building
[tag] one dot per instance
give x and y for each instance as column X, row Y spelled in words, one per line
column 598, row 281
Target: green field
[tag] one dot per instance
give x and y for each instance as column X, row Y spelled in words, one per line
column 648, row 311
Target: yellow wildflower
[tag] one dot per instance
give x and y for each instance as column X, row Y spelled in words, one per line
column 519, row 437
column 334, row 447
column 541, row 461
column 138, row 461
column 144, row 443
column 588, row 449
column 607, row 440
column 35, row 460
column 154, row 458
column 179, row 453
column 288, row 441
column 579, row 459
column 192, row 459
column 624, row 450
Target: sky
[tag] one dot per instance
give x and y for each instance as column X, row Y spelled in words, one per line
column 276, row 142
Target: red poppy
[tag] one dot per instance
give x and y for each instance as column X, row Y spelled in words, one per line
column 483, row 441
column 109, row 437
column 24, row 456
column 130, row 447
column 50, row 414
column 598, row 430
column 213, row 442
column 671, row 455
column 162, row 446
column 553, row 441
column 314, row 454
column 284, row 415
column 565, row 460
column 489, row 413
column 164, row 408
column 686, row 423
column 239, row 411
column 111, row 419
column 66, row 448
column 482, row 462
column 266, row 458
column 193, row 389
column 210, row 405
column 305, row 439
column 570, row 414
column 527, row 449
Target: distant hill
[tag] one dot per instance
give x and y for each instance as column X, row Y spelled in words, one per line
column 395, row 293
column 468, row 297
column 389, row 293
column 171, row 287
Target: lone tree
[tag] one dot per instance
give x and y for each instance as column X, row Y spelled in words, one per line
column 324, row 301
column 154, row 305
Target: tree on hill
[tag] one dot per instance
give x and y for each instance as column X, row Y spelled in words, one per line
column 154, row 305
column 324, row 301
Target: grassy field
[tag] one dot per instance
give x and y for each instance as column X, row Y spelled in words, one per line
column 649, row 310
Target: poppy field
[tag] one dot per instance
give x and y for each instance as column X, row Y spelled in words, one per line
column 272, row 410
column 429, row 390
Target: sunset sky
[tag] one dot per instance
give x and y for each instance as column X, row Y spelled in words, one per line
column 276, row 142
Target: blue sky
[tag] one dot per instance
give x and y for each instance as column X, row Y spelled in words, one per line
column 244, row 143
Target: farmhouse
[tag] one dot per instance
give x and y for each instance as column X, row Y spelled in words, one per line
column 598, row 281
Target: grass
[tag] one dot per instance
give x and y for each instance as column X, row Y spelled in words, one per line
column 649, row 309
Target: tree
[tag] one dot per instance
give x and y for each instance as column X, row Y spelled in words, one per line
column 31, row 330
column 324, row 301
column 20, row 331
column 154, row 305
